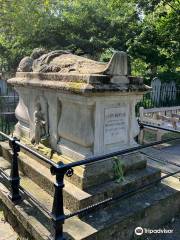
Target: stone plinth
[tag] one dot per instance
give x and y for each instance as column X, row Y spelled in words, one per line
column 87, row 108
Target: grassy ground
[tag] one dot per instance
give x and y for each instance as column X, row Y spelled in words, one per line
column 151, row 137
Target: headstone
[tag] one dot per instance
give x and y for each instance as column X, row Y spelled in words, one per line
column 163, row 92
column 156, row 90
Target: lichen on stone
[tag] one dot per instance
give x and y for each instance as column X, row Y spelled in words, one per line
column 44, row 150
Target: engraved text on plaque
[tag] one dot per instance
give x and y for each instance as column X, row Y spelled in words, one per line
column 115, row 125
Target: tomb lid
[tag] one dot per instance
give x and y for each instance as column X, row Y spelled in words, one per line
column 64, row 70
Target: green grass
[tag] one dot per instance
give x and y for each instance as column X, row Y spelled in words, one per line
column 151, row 137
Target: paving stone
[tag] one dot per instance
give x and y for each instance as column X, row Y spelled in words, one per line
column 158, row 158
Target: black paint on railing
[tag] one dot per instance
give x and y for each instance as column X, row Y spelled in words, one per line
column 110, row 155
column 14, row 175
column 162, row 162
column 58, row 209
column 6, row 136
column 8, row 119
column 60, row 170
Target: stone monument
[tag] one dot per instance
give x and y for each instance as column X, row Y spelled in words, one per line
column 82, row 108
column 79, row 107
column 87, row 107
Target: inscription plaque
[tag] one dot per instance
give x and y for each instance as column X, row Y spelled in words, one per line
column 115, row 125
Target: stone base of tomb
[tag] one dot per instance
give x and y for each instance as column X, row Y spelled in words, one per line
column 83, row 115
column 150, row 208
column 89, row 184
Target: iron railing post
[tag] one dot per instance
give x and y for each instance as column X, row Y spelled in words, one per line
column 140, row 137
column 58, row 209
column 14, row 174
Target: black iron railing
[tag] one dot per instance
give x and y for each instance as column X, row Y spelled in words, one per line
column 60, row 170
column 149, row 101
column 7, row 113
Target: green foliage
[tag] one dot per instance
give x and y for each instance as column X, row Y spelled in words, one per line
column 170, row 76
column 85, row 27
column 148, row 29
column 106, row 55
column 157, row 40
column 118, row 170
column 139, row 67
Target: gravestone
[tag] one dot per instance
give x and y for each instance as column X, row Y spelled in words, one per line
column 163, row 92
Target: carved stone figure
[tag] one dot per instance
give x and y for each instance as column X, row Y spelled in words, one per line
column 26, row 63
column 65, row 62
column 44, row 62
column 38, row 52
column 39, row 125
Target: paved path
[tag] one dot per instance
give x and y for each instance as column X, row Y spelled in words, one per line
column 158, row 157
column 6, row 231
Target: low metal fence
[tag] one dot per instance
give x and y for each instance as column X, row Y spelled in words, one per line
column 60, row 170
column 7, row 113
column 149, row 101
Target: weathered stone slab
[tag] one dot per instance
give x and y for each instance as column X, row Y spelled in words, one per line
column 83, row 189
column 151, row 208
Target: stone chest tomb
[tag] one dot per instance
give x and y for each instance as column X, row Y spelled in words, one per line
column 80, row 106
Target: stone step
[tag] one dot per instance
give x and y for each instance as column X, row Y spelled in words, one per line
column 6, row 231
column 157, row 158
column 75, row 198
column 162, row 154
column 164, row 167
column 150, row 208
column 32, row 221
column 92, row 174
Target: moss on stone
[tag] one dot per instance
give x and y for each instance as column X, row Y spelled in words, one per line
column 118, row 170
column 44, row 150
column 75, row 85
